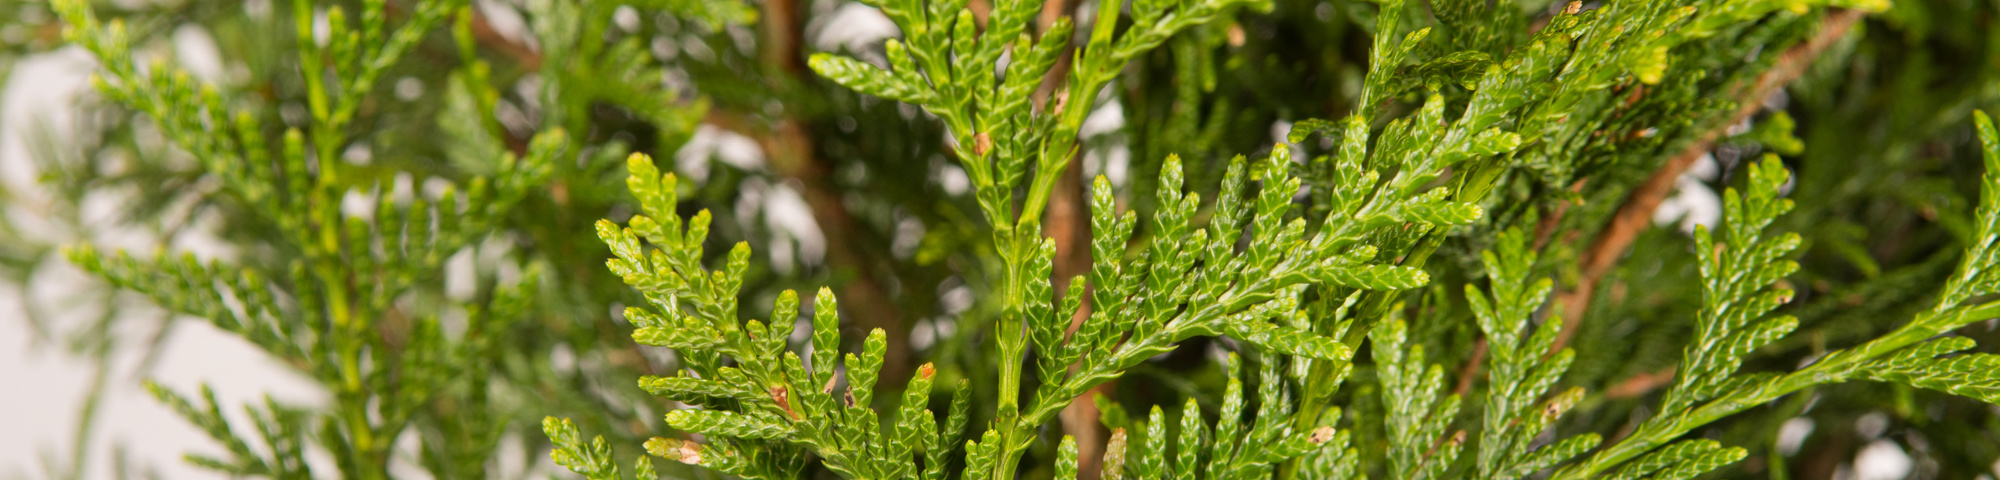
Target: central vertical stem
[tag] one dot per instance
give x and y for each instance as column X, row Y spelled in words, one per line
column 1011, row 335
column 323, row 206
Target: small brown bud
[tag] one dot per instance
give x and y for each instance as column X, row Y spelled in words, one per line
column 1321, row 435
column 1573, row 7
column 982, row 143
column 783, row 397
column 690, row 453
column 674, row 449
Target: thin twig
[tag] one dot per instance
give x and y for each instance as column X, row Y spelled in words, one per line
column 1471, row 368
column 1637, row 212
column 1638, row 385
column 484, row 33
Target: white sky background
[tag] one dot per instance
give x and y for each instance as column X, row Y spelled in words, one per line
column 45, row 384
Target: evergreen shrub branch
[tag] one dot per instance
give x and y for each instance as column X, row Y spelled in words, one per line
column 1305, row 306
column 1185, row 281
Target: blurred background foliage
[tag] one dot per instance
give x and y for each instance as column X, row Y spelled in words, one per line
column 859, row 193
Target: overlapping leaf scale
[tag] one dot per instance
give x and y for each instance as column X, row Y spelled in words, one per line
column 1231, row 452
column 1971, row 375
column 1374, row 277
column 1198, row 281
column 1976, row 275
column 694, row 390
column 1674, row 454
column 868, row 79
column 769, row 405
column 1701, row 464
column 592, row 460
column 727, row 424
column 1549, row 456
column 1519, row 373
column 1737, row 287
column 1417, row 417
column 1289, row 341
column 1438, row 213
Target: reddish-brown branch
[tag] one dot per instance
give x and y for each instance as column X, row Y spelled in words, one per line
column 484, row 33
column 1067, row 223
column 1471, row 368
column 1639, row 385
column 782, row 27
column 1636, row 213
column 1545, row 229
column 790, row 149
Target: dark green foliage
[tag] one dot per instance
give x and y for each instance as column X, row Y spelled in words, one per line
column 1385, row 293
column 1520, row 372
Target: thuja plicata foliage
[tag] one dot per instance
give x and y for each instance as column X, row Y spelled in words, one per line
column 1284, row 284
column 1321, row 279
column 354, row 298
